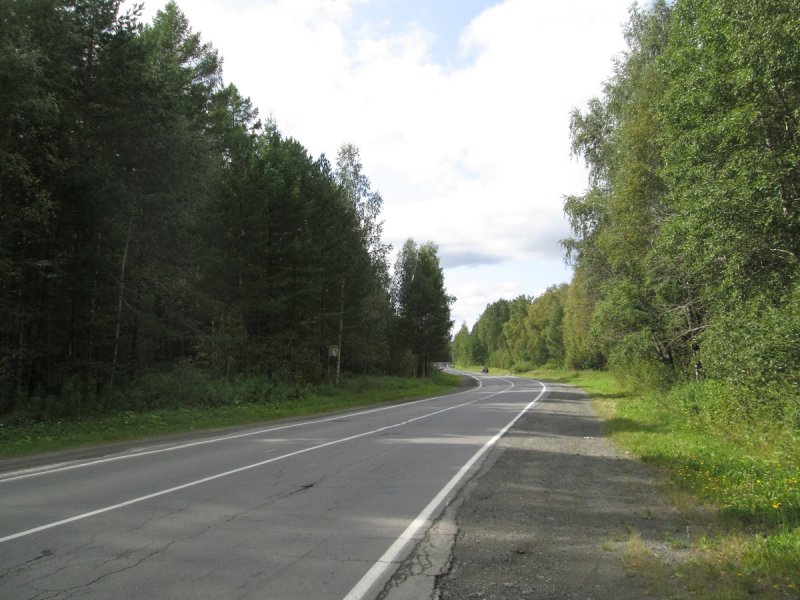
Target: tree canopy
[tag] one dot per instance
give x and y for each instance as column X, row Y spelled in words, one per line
column 685, row 244
column 422, row 305
column 149, row 219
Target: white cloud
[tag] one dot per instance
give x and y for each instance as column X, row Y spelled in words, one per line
column 475, row 158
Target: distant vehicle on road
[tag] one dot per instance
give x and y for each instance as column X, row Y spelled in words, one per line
column 485, row 370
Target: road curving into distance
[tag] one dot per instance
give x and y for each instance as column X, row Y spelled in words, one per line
column 319, row 508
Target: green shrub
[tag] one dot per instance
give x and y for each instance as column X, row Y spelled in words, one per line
column 634, row 360
column 756, row 349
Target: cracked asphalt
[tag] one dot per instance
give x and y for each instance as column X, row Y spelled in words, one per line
column 303, row 509
column 548, row 516
column 400, row 502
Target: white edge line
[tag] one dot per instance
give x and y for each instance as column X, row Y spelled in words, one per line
column 389, row 558
column 112, row 507
column 47, row 470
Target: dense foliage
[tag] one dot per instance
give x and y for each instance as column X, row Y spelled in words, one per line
column 423, row 312
column 519, row 334
column 148, row 219
column 685, row 244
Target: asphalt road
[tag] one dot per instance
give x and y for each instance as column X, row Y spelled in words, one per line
column 320, row 508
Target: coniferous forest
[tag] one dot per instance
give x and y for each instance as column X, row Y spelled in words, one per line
column 685, row 244
column 149, row 221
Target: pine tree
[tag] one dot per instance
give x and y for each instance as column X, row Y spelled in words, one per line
column 422, row 305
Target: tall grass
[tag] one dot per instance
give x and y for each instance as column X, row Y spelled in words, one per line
column 746, row 468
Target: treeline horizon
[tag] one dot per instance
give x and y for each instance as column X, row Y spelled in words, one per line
column 685, row 244
column 149, row 220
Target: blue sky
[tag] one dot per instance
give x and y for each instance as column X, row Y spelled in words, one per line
column 460, row 110
column 445, row 20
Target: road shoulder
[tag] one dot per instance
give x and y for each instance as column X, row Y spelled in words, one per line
column 551, row 514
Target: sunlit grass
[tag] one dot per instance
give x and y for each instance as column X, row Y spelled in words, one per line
column 596, row 382
column 748, row 472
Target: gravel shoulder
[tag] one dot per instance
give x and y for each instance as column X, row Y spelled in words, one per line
column 552, row 513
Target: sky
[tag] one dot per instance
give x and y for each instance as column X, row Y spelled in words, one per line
column 460, row 110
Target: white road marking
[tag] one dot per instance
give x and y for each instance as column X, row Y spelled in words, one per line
column 177, row 488
column 58, row 468
column 390, row 557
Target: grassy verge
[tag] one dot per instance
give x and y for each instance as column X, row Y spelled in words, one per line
column 181, row 402
column 736, row 478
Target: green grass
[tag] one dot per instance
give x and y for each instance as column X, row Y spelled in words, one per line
column 747, row 470
column 595, row 382
column 181, row 401
column 737, row 477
